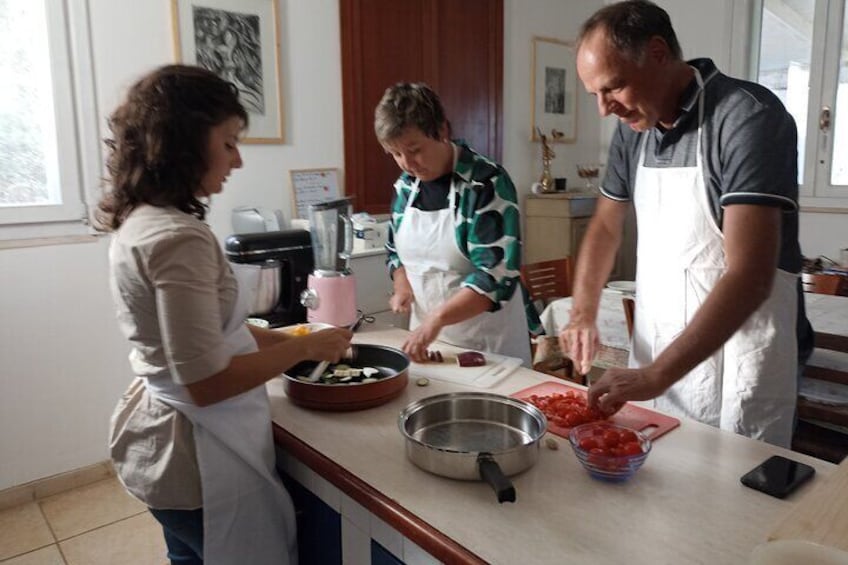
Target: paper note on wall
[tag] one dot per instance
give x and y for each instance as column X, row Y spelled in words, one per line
column 312, row 186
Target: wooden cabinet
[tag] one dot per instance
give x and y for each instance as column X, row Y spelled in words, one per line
column 578, row 230
column 456, row 47
column 556, row 224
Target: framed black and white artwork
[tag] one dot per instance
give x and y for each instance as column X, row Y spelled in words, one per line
column 239, row 41
column 554, row 89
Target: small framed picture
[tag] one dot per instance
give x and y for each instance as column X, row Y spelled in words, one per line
column 554, row 89
column 239, row 41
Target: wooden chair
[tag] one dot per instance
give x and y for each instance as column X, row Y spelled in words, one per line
column 810, row 436
column 547, row 280
column 629, row 304
column 816, row 432
column 820, row 283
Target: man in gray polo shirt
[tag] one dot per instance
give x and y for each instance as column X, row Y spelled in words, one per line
column 710, row 165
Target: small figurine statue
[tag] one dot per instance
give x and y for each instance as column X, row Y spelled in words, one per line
column 546, row 180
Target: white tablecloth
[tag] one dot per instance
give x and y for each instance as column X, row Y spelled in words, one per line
column 611, row 323
column 828, row 314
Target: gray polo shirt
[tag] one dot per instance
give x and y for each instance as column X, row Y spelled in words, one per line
column 749, row 151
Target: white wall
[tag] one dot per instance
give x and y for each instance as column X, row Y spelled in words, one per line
column 705, row 29
column 721, row 29
column 63, row 361
column 823, row 234
column 553, row 19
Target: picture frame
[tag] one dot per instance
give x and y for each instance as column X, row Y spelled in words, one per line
column 239, row 40
column 310, row 186
column 554, row 90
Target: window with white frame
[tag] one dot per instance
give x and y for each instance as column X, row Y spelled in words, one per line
column 803, row 58
column 48, row 143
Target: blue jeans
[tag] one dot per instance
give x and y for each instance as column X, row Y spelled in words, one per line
column 183, row 534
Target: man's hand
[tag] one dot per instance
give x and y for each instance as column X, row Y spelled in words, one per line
column 580, row 341
column 617, row 386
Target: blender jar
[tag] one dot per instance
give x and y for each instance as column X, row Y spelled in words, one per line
column 332, row 236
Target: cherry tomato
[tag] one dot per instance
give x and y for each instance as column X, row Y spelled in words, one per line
column 567, row 409
column 572, row 419
column 611, row 438
column 631, row 448
column 588, row 444
column 628, row 436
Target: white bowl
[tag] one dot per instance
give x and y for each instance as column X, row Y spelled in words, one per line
column 258, row 322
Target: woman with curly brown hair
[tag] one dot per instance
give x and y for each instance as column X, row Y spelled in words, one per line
column 191, row 438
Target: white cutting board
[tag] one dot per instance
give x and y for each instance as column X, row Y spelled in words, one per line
column 497, row 368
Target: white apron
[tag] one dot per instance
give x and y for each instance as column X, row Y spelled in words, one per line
column 435, row 267
column 749, row 385
column 248, row 517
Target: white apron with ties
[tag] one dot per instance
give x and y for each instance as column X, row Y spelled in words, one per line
column 248, row 517
column 749, row 385
column 435, row 267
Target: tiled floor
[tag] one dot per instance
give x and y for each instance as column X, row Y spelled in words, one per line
column 91, row 525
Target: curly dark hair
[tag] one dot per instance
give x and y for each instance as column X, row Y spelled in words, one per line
column 408, row 105
column 629, row 26
column 158, row 150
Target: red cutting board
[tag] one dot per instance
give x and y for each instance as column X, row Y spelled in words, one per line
column 631, row 416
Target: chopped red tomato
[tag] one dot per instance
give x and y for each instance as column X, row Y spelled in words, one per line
column 567, row 409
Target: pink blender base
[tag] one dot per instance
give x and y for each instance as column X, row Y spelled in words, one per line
column 336, row 300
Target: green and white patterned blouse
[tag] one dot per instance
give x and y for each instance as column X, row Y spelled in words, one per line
column 487, row 227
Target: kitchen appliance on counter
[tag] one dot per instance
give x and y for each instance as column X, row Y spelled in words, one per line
column 256, row 219
column 284, row 260
column 368, row 233
column 330, row 296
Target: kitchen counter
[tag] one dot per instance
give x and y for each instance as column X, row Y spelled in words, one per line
column 686, row 505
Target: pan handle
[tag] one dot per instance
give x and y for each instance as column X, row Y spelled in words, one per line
column 491, row 472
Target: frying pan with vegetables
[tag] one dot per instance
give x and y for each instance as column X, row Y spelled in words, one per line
column 345, row 386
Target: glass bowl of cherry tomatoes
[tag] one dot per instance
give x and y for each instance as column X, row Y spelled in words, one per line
column 608, row 451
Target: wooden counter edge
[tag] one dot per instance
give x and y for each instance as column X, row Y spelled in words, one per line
column 428, row 538
column 821, row 515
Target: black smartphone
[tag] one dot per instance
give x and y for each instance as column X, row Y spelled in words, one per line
column 778, row 476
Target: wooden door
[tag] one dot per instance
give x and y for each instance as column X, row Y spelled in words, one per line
column 454, row 46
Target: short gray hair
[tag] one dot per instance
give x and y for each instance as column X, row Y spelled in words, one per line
column 407, row 105
column 630, row 25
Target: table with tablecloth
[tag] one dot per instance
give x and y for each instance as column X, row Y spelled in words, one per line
column 615, row 341
column 827, row 314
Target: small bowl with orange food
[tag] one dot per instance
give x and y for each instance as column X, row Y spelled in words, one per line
column 608, row 451
column 300, row 330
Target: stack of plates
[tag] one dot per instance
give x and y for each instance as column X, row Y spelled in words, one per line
column 624, row 287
